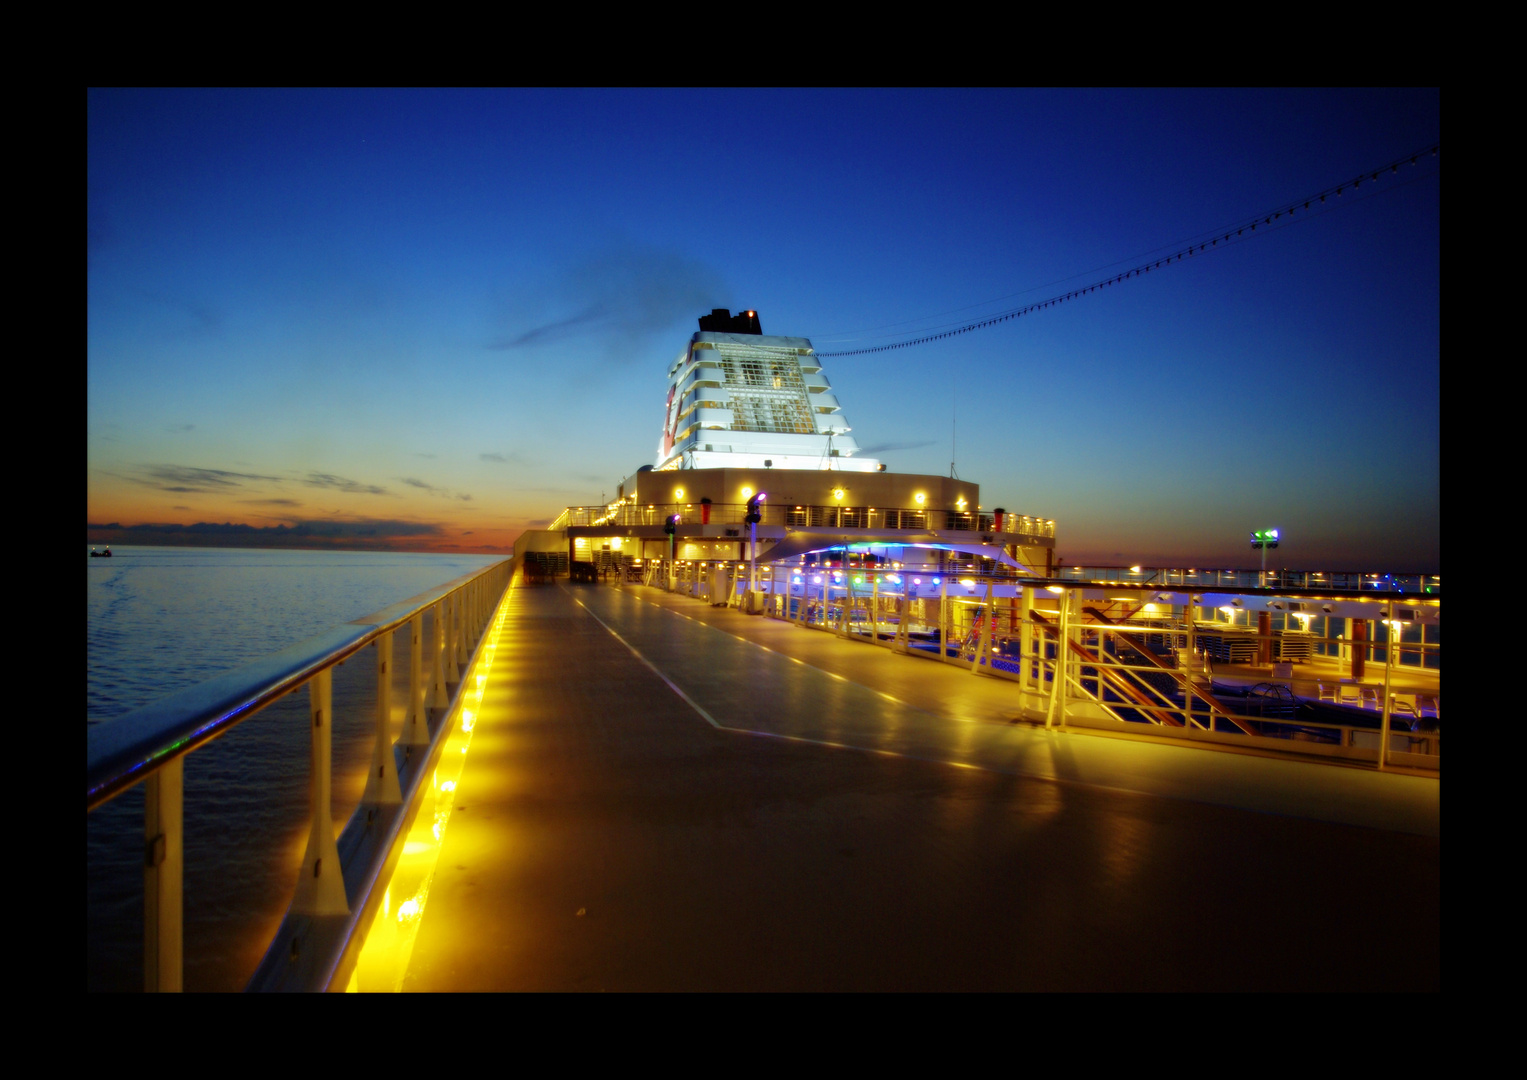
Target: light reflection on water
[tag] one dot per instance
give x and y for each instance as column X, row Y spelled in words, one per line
column 161, row 619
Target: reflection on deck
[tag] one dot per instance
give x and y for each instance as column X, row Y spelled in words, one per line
column 665, row 795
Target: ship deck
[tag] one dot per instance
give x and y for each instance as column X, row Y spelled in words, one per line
column 663, row 795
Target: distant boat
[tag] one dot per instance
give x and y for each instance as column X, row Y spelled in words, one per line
column 94, row 554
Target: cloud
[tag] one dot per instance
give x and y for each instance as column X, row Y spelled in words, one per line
column 430, row 456
column 266, row 502
column 180, row 429
column 882, row 448
column 357, row 529
column 339, row 483
column 620, row 294
column 554, row 330
column 201, row 318
column 494, row 457
column 366, row 528
column 183, row 478
column 444, row 493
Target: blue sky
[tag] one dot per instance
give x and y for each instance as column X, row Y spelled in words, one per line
column 450, row 313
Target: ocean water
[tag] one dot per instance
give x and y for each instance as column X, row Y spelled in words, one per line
column 161, row 619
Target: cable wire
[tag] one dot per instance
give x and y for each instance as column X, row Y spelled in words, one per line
column 1205, row 242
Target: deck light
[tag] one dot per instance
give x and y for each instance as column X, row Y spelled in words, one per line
column 678, row 493
column 919, row 498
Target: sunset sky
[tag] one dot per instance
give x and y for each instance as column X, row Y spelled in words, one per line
column 433, row 319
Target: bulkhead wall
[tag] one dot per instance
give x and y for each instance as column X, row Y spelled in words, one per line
column 806, row 487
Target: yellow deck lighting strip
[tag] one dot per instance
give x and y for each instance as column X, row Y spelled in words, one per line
column 389, row 944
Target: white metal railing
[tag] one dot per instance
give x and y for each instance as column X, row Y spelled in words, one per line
column 149, row 746
column 1418, row 586
column 628, row 514
column 996, row 626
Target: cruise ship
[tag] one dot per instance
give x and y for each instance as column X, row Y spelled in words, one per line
column 614, row 812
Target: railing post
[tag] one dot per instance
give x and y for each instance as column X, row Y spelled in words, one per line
column 437, row 694
column 1026, row 639
column 983, row 647
column 415, row 728
column 320, row 885
column 382, row 782
column 1058, row 686
column 943, row 613
column 904, row 624
column 458, row 633
column 1384, row 724
column 163, row 874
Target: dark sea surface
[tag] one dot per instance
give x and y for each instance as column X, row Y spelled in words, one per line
column 162, row 619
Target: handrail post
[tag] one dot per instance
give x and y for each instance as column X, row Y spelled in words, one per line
column 415, row 730
column 382, row 782
column 458, row 634
column 1026, row 639
column 320, row 885
column 437, row 695
column 943, row 612
column 163, row 877
column 1388, row 703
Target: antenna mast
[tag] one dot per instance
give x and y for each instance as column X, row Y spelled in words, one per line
column 954, row 416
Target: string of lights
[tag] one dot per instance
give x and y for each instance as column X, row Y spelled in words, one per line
column 1307, row 206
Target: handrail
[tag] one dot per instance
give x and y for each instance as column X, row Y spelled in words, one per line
column 122, row 752
column 149, row 744
column 1411, row 587
column 1043, row 674
column 692, row 513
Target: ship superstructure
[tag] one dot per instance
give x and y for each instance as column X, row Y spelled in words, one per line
column 741, row 399
column 756, row 466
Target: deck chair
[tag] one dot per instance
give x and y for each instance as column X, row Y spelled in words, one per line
column 1347, row 694
column 1426, row 705
column 1327, row 692
column 1369, row 697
